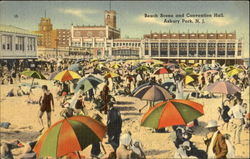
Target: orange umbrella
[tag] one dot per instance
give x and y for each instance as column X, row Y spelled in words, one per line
column 172, row 112
column 69, row 135
column 66, row 75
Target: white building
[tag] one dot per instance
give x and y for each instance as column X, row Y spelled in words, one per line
column 17, row 43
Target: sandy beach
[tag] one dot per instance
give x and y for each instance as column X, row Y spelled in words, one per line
column 24, row 122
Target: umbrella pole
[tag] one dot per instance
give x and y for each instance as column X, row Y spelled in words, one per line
column 143, row 107
column 195, row 91
column 78, row 154
column 32, row 84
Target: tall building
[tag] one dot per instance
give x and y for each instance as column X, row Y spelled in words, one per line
column 52, row 38
column 110, row 18
column 45, row 28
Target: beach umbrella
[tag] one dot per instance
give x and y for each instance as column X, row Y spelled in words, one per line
column 116, row 66
column 66, row 75
column 152, row 93
column 158, row 65
column 69, row 135
column 87, row 83
column 142, row 68
column 141, row 86
column 111, row 75
column 189, row 70
column 33, row 74
column 161, row 71
column 234, row 71
column 223, row 87
column 172, row 112
column 75, row 67
column 190, row 78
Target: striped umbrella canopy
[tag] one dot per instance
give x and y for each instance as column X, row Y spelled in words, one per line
column 66, row 75
column 172, row 112
column 161, row 71
column 87, row 83
column 69, row 135
column 223, row 87
column 152, row 93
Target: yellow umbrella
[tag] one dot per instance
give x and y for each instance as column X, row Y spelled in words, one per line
column 66, row 76
column 116, row 66
column 234, row 71
column 92, row 60
column 111, row 75
column 190, row 78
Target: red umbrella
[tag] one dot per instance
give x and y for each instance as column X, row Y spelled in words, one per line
column 172, row 112
column 161, row 71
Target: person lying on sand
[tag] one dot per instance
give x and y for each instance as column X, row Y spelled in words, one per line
column 6, row 148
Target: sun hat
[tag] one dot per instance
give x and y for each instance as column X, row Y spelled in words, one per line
column 212, row 124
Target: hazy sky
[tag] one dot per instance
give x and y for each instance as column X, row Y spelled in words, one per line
column 130, row 15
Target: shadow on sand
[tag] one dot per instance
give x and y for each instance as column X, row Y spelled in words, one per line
column 124, row 103
column 155, row 152
column 126, row 108
column 132, row 114
column 19, row 135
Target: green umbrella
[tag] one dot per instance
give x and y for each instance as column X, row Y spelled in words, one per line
column 69, row 135
column 172, row 112
column 33, row 74
column 88, row 83
column 189, row 70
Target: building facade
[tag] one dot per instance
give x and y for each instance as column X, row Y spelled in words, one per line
column 105, row 41
column 17, row 43
column 215, row 47
column 52, row 38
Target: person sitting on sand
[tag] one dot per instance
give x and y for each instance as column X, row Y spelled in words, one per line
column 67, row 112
column 123, row 151
column 11, row 93
column 46, row 101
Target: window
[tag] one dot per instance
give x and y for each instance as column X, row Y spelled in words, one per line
column 6, row 42
column 31, row 44
column 20, row 43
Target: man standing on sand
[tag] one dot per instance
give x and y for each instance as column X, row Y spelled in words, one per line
column 215, row 141
column 45, row 103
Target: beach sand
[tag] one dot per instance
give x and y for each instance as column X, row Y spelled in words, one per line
column 24, row 123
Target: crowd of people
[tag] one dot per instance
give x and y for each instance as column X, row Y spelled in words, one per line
column 233, row 112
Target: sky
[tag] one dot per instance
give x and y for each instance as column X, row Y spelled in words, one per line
column 131, row 16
